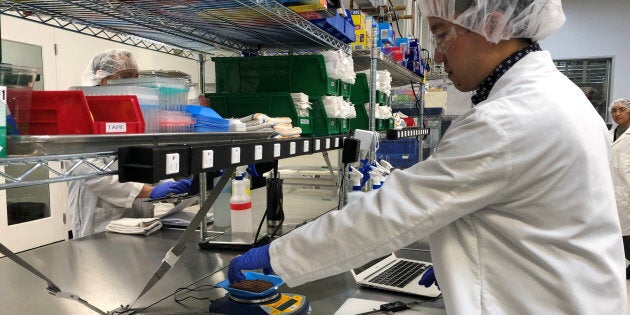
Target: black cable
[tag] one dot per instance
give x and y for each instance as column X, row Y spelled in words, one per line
column 178, row 290
column 396, row 19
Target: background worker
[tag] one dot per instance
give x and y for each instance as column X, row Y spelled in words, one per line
column 94, row 202
column 517, row 199
column 620, row 167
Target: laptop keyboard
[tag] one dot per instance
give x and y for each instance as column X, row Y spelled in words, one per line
column 400, row 274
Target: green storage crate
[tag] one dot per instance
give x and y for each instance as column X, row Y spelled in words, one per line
column 383, row 124
column 362, row 121
column 345, row 89
column 360, row 92
column 322, row 125
column 344, row 125
column 273, row 104
column 300, row 73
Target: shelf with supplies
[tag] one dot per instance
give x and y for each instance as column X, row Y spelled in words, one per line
column 182, row 28
column 400, row 75
column 229, row 149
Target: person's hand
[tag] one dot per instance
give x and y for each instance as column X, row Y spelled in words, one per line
column 178, row 187
column 428, row 278
column 255, row 258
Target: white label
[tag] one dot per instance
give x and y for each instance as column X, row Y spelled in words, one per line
column 276, row 149
column 317, row 144
column 207, row 158
column 292, row 147
column 115, row 127
column 3, row 106
column 172, row 163
column 236, row 155
column 306, row 145
column 304, row 121
column 258, row 152
column 336, row 142
column 328, row 143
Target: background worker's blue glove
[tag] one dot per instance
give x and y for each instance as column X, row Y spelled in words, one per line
column 255, row 258
column 178, row 187
column 428, row 278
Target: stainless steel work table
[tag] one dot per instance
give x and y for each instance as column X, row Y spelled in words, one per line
column 109, row 270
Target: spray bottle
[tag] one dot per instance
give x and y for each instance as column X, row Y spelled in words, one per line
column 355, row 178
column 241, row 204
column 376, row 178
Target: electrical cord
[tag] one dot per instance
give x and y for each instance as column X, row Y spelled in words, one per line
column 395, row 18
column 175, row 292
column 188, row 290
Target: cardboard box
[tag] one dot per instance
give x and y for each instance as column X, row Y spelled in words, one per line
column 358, row 20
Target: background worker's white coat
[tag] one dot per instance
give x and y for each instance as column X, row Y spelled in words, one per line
column 94, row 202
column 517, row 198
column 620, row 168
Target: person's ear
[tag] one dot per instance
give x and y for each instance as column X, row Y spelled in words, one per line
column 494, row 26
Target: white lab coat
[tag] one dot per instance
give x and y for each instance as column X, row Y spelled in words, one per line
column 620, row 169
column 517, row 199
column 94, row 202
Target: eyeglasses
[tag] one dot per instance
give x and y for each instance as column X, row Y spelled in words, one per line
column 619, row 109
column 444, row 40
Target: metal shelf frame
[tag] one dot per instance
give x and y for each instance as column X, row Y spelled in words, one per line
column 180, row 27
column 400, row 76
column 38, row 151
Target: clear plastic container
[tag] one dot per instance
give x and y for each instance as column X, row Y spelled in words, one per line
column 19, row 82
column 173, row 93
column 240, row 207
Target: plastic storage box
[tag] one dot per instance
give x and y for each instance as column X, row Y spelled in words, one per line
column 303, row 73
column 19, row 82
column 116, row 114
column 71, row 112
column 401, row 153
column 147, row 97
column 173, row 93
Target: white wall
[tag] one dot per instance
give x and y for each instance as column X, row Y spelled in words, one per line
column 596, row 29
column 74, row 51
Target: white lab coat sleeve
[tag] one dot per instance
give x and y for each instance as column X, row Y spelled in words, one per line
column 467, row 172
column 109, row 188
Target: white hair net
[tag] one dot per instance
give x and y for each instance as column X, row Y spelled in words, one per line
column 106, row 64
column 498, row 20
column 622, row 102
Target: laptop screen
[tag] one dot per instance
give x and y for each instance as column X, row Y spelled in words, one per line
column 368, row 265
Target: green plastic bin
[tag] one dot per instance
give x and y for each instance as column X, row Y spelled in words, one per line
column 301, row 73
column 322, row 125
column 360, row 92
column 274, row 104
column 345, row 89
column 344, row 125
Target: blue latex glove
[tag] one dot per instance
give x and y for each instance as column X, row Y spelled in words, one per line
column 255, row 258
column 178, row 187
column 428, row 278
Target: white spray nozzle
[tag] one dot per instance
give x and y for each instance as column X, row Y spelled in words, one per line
column 356, row 177
column 386, row 165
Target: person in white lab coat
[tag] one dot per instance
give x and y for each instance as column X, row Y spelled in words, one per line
column 620, row 167
column 517, row 198
column 94, row 202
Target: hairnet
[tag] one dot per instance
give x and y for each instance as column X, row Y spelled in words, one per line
column 534, row 19
column 622, row 101
column 106, row 64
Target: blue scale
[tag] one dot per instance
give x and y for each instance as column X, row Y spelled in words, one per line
column 270, row 301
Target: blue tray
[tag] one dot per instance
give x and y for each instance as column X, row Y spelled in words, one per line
column 277, row 281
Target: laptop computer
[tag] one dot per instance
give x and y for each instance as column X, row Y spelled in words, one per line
column 396, row 274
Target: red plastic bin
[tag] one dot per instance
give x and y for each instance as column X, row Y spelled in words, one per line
column 55, row 113
column 116, row 114
column 71, row 112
